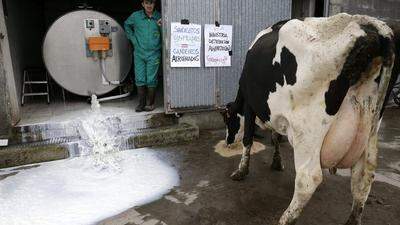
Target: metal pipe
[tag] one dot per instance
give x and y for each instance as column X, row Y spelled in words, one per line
column 326, row 8
column 114, row 97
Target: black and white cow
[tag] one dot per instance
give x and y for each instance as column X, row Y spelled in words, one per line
column 323, row 83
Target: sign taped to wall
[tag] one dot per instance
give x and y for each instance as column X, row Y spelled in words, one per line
column 185, row 45
column 218, row 45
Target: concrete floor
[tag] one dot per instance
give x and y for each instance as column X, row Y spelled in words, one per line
column 206, row 195
column 36, row 111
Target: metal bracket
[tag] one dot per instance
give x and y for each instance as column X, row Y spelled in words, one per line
column 185, row 21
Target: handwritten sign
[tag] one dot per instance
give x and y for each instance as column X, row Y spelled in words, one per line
column 218, row 45
column 185, row 45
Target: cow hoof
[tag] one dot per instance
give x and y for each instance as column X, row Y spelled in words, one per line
column 353, row 222
column 277, row 166
column 288, row 223
column 239, row 175
column 333, row 171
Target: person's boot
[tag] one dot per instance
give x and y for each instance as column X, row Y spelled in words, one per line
column 142, row 99
column 152, row 97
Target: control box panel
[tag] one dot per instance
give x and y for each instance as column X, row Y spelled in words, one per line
column 97, row 30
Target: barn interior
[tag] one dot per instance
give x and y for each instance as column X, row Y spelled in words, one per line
column 27, row 22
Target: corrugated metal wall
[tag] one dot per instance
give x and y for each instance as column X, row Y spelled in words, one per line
column 206, row 88
column 248, row 18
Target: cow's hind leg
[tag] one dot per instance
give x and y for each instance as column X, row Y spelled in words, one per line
column 308, row 178
column 276, row 161
column 362, row 176
column 249, row 127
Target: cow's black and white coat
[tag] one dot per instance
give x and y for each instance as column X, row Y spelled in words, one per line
column 322, row 82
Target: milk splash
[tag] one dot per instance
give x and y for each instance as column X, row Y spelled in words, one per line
column 102, row 141
column 86, row 190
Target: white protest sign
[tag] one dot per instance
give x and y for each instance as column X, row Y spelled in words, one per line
column 218, row 44
column 185, row 45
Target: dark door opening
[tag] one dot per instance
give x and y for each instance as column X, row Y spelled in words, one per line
column 308, row 8
column 319, row 8
column 27, row 23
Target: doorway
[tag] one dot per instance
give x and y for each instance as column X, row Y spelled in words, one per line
column 26, row 34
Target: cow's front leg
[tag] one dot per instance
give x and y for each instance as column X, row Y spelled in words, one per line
column 249, row 127
column 276, row 161
column 362, row 176
column 308, row 178
column 244, row 164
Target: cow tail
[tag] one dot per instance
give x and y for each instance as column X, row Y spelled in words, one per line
column 388, row 50
column 394, row 25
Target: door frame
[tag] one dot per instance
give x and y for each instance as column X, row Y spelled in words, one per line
column 13, row 100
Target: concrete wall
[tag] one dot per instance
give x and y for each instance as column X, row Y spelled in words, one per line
column 335, row 7
column 9, row 107
column 376, row 8
column 5, row 114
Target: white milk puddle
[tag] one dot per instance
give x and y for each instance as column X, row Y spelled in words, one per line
column 100, row 184
column 72, row 192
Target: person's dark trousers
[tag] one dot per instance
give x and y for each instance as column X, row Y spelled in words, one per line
column 142, row 99
column 151, row 93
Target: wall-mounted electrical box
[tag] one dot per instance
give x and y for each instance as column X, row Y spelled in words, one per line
column 98, row 37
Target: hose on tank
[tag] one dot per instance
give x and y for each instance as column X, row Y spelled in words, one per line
column 104, row 74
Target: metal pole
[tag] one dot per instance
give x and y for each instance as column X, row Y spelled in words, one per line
column 326, row 8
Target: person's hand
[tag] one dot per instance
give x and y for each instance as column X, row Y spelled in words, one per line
column 159, row 22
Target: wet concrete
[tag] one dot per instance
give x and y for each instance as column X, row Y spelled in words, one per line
column 206, row 195
column 25, row 154
column 44, row 142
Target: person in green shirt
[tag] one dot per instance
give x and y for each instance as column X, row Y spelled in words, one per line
column 143, row 29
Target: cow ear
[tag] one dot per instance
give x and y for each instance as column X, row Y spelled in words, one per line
column 232, row 108
column 224, row 113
